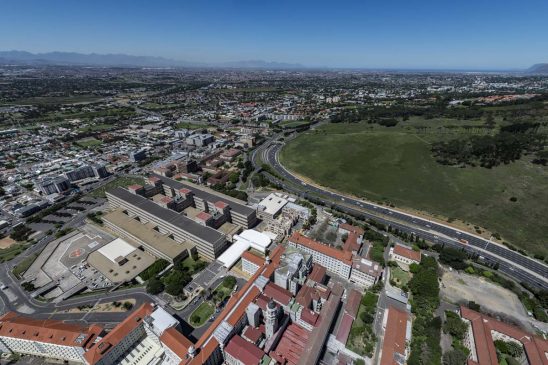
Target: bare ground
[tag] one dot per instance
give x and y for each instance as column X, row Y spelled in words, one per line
column 460, row 288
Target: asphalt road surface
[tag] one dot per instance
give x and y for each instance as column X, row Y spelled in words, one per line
column 520, row 267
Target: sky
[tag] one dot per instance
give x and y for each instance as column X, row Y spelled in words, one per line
column 412, row 34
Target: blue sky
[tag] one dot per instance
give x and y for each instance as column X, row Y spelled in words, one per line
column 465, row 34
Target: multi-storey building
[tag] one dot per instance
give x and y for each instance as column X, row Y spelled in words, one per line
column 50, row 339
column 209, row 242
column 483, row 331
column 80, row 173
column 211, row 201
column 405, row 255
column 397, row 335
column 57, row 185
column 251, row 263
column 365, row 273
column 336, row 261
column 139, row 155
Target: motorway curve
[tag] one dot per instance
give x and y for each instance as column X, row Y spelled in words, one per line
column 511, row 263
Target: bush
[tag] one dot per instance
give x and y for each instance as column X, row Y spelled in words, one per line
column 454, row 258
column 455, row 326
column 229, row 282
column 155, row 286
column 157, row 267
column 454, row 357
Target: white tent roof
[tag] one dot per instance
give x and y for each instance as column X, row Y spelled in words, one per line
column 233, row 253
column 116, row 248
column 256, row 239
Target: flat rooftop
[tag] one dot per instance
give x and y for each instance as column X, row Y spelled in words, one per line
column 147, row 233
column 209, row 195
column 132, row 264
column 180, row 221
column 272, row 204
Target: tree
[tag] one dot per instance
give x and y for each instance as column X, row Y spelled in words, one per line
column 234, row 177
column 229, row 282
column 454, row 258
column 454, row 326
column 414, row 268
column 454, row 357
column 155, row 286
column 509, row 348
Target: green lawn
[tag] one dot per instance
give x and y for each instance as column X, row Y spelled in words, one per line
column 9, row 253
column 395, row 164
column 89, row 142
column 187, row 125
column 201, row 314
column 399, row 276
column 95, row 127
column 24, row 265
column 121, row 181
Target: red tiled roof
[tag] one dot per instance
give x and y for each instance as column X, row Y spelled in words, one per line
column 318, row 273
column 135, row 187
column 278, row 293
column 48, row 331
column 118, row 333
column 221, row 204
column 252, row 334
column 407, row 252
column 291, row 345
column 353, row 301
column 246, row 352
column 344, row 256
column 351, row 243
column 203, row 216
column 309, row 316
column 394, row 336
column 482, row 325
column 344, row 328
column 350, row 228
column 235, row 308
column 247, row 255
column 176, row 341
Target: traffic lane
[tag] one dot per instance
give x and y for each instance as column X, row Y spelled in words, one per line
column 480, row 242
column 517, row 273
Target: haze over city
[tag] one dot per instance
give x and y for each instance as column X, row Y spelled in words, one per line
column 469, row 34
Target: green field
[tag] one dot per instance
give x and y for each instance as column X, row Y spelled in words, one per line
column 89, row 142
column 49, row 100
column 395, row 165
column 293, row 123
column 201, row 314
column 121, row 181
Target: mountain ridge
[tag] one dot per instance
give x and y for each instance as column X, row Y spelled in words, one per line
column 120, row 59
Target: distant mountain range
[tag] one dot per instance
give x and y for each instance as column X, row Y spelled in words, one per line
column 539, row 68
column 94, row 59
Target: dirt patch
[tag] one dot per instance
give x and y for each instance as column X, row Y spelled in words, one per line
column 460, row 288
column 6, row 242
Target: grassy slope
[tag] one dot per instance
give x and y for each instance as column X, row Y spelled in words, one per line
column 396, row 164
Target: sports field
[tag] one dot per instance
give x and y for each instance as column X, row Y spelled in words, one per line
column 395, row 165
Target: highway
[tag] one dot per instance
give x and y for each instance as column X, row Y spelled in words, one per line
column 515, row 265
